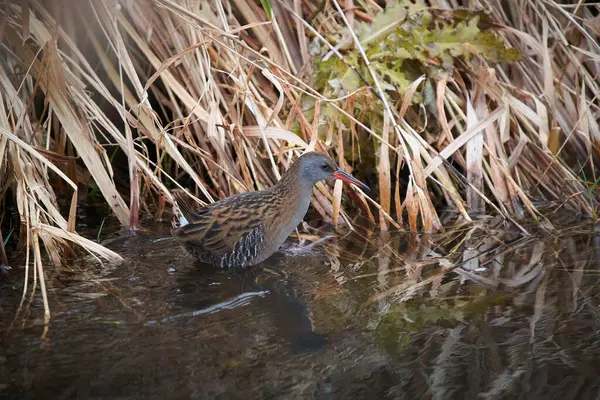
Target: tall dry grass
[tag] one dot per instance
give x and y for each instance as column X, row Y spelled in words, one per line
column 220, row 96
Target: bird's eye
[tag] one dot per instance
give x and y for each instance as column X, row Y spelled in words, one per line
column 324, row 167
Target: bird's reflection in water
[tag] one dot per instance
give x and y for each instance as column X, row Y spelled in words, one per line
column 204, row 290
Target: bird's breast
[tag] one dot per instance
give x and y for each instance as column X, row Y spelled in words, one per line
column 288, row 219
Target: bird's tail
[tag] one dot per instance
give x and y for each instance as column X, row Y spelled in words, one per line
column 182, row 208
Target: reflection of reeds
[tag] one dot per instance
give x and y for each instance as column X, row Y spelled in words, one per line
column 525, row 325
column 408, row 266
column 220, row 96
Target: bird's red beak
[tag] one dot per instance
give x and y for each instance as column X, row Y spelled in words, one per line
column 346, row 177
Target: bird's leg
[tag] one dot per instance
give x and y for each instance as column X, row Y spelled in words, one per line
column 305, row 249
column 320, row 241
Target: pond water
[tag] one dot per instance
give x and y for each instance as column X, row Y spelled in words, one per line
column 472, row 313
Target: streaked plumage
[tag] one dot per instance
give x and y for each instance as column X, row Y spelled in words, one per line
column 247, row 228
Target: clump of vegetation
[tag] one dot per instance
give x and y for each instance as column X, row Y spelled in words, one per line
column 406, row 51
column 431, row 105
column 404, row 42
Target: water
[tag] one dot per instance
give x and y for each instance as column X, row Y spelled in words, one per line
column 362, row 316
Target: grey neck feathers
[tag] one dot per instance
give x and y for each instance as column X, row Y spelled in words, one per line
column 294, row 184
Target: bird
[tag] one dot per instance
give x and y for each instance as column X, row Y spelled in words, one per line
column 247, row 228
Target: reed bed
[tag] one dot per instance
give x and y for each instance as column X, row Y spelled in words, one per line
column 477, row 107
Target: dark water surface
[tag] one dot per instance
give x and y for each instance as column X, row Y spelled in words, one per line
column 461, row 315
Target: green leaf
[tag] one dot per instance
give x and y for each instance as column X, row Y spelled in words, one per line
column 350, row 81
column 267, row 6
column 385, row 22
column 8, row 237
column 395, row 77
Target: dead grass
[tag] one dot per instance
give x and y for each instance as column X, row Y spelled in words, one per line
column 219, row 96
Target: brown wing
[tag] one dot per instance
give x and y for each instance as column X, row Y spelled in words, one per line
column 231, row 228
